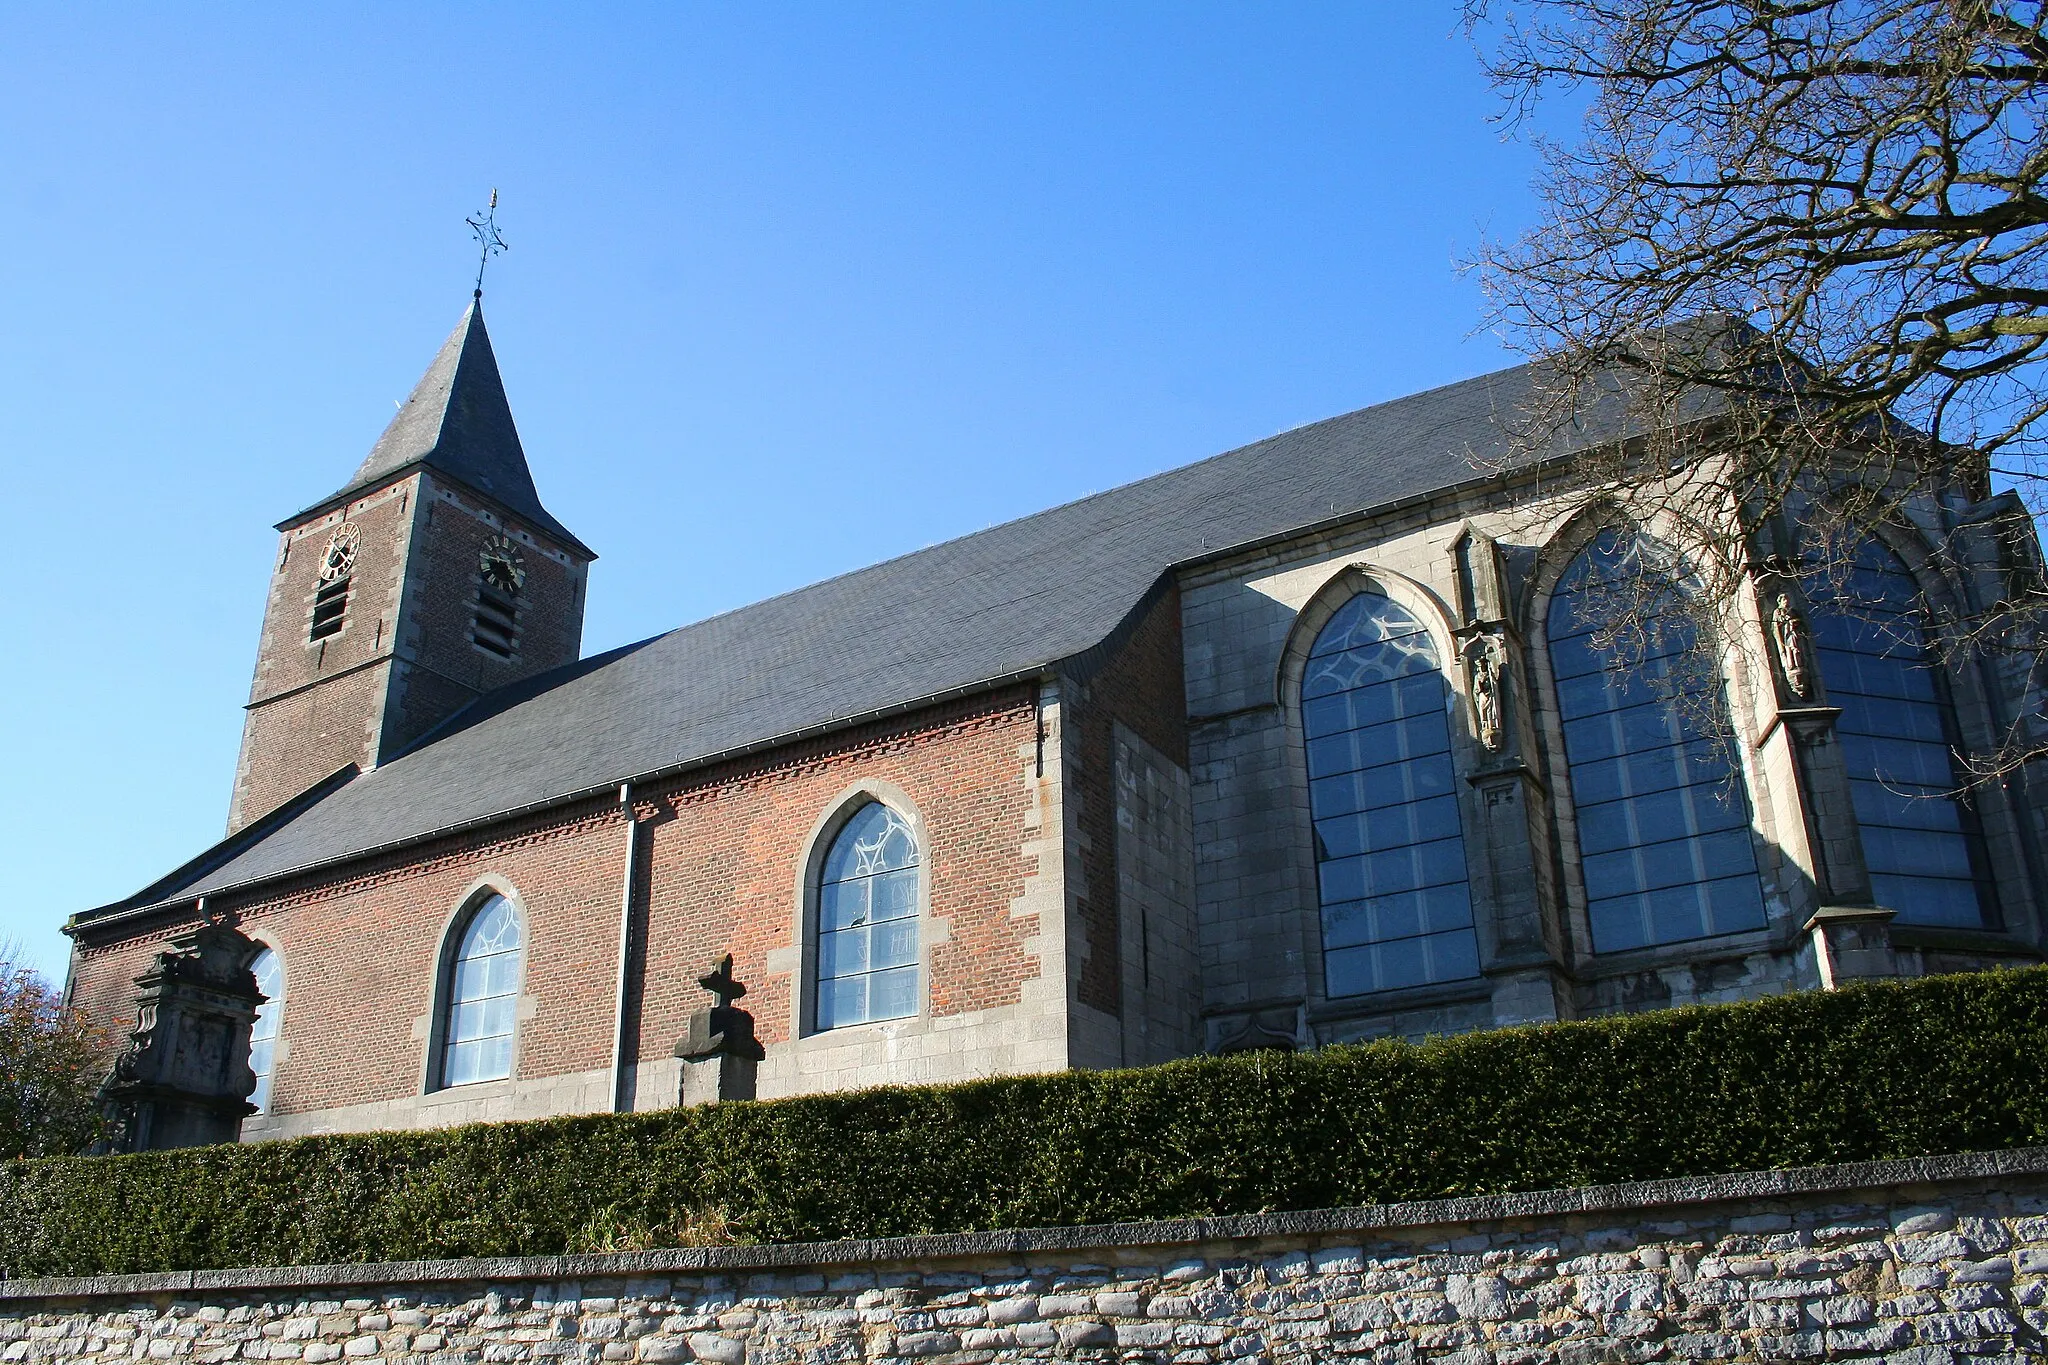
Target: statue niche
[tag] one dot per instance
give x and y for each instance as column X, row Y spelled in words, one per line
column 1485, row 662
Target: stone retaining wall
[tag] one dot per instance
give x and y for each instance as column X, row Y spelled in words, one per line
column 1921, row 1261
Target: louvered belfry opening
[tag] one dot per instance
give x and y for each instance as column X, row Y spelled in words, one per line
column 496, row 617
column 497, row 606
column 330, row 596
column 330, row 608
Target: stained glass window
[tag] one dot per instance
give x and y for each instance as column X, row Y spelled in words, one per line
column 1664, row 841
column 483, row 993
column 269, row 1016
column 1920, row 837
column 867, row 921
column 1390, row 847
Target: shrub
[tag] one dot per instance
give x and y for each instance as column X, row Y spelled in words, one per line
column 51, row 1061
column 1892, row 1070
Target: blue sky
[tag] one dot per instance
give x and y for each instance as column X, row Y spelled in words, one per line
column 792, row 288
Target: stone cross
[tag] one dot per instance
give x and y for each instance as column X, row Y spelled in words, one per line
column 722, row 983
column 720, row 1051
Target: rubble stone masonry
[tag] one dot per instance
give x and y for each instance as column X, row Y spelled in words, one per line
column 1930, row 1262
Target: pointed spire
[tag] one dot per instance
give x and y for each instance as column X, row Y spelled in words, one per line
column 459, row 423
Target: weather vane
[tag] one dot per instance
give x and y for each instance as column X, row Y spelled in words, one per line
column 485, row 226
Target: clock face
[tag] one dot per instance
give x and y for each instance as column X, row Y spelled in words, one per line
column 503, row 567
column 341, row 553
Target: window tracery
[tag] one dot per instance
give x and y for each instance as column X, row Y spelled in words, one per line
column 482, row 994
column 1389, row 841
column 1897, row 734
column 867, row 928
column 269, row 971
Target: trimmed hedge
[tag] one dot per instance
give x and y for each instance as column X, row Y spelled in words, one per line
column 1946, row 1064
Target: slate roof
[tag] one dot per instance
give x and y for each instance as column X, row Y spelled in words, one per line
column 459, row 422
column 1001, row 603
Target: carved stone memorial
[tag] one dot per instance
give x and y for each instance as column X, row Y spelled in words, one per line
column 184, row 1078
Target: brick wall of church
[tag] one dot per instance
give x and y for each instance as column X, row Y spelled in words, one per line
column 102, row 979
column 719, row 872
column 361, row 955
column 295, row 741
column 728, row 849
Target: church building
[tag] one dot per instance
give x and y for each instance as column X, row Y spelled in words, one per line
column 1299, row 744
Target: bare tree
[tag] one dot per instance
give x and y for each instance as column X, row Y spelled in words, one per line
column 51, row 1061
column 1800, row 253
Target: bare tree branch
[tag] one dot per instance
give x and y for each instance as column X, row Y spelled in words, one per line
column 1805, row 243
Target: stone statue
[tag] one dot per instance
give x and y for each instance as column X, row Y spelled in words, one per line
column 1788, row 636
column 1484, row 659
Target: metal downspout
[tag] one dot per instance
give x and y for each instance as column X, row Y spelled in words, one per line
column 621, row 1100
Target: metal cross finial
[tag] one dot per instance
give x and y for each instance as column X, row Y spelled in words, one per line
column 485, row 226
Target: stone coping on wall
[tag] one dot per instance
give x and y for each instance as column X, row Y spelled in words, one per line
column 1411, row 1215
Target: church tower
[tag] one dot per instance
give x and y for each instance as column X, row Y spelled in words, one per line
column 433, row 577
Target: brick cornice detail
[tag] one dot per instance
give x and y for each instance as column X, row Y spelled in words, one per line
column 904, row 733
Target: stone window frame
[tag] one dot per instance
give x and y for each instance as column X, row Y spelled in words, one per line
column 809, row 869
column 1769, row 808
column 280, row 1051
column 1347, row 580
column 441, row 998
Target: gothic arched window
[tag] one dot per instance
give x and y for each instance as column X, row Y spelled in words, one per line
column 1390, row 847
column 867, row 921
column 1897, row 733
column 269, row 970
column 482, row 994
column 1663, row 819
